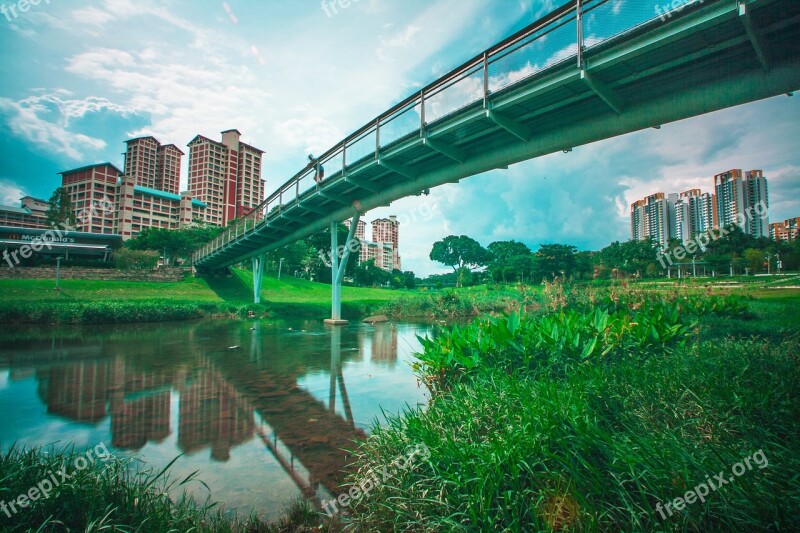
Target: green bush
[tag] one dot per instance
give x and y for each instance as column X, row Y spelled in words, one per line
column 128, row 259
column 555, row 342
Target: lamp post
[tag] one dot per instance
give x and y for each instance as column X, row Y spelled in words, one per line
column 280, row 267
column 58, row 273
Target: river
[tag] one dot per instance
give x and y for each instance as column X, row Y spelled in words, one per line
column 261, row 408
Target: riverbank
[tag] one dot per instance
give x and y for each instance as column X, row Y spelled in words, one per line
column 103, row 302
column 614, row 412
column 30, row 301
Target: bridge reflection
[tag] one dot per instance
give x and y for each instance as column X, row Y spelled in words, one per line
column 216, row 398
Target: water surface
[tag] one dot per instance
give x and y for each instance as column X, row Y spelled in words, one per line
column 262, row 409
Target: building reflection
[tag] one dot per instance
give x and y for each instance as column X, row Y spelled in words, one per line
column 383, row 342
column 78, row 392
column 139, row 405
column 211, row 412
column 214, row 397
column 214, row 414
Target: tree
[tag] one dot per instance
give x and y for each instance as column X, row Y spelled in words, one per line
column 396, row 279
column 631, row 257
column 298, row 256
column 459, row 253
column 555, row 260
column 755, row 259
column 409, row 280
column 175, row 244
column 584, row 264
column 509, row 258
column 368, row 275
column 60, row 212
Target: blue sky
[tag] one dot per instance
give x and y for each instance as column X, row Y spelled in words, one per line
column 81, row 77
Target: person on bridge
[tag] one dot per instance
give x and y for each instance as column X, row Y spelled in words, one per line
column 319, row 170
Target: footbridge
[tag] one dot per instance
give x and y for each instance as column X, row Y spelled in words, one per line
column 588, row 71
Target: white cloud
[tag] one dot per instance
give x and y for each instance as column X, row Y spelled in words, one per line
column 11, row 193
column 44, row 120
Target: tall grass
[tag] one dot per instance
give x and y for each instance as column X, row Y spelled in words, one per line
column 120, row 495
column 526, row 434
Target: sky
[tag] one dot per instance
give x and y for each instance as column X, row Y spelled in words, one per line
column 295, row 77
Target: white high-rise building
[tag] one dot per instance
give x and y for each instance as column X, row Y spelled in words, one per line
column 742, row 197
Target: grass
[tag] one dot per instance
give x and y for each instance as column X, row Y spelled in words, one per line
column 79, row 301
column 190, row 289
column 93, row 302
column 533, row 435
column 112, row 494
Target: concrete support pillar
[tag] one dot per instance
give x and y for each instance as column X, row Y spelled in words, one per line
column 258, row 277
column 338, row 266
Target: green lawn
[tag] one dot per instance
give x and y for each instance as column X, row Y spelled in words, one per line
column 237, row 289
column 191, row 289
column 290, row 290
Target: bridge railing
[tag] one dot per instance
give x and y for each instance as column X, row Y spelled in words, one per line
column 564, row 35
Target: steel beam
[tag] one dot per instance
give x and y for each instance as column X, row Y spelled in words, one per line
column 755, row 38
column 518, row 130
column 361, row 184
column 258, row 276
column 338, row 267
column 315, row 210
column 398, row 168
column 453, row 152
column 602, row 90
column 334, row 198
column 294, row 219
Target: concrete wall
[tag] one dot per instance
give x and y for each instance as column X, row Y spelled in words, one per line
column 99, row 274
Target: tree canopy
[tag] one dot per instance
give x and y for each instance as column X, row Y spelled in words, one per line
column 176, row 244
column 60, row 212
column 460, row 253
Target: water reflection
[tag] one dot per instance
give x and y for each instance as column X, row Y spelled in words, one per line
column 212, row 391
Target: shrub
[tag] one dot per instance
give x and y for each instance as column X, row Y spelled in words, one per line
column 128, row 259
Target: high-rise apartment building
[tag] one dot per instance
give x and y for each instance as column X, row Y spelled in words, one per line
column 383, row 248
column 92, row 191
column 154, row 165
column 741, row 197
column 387, row 230
column 694, row 214
column 107, row 201
column 638, row 232
column 788, row 230
column 140, row 207
column 651, row 218
column 361, row 229
column 756, row 194
column 225, row 176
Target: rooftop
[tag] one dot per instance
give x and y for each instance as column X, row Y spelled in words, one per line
column 90, row 167
column 163, row 194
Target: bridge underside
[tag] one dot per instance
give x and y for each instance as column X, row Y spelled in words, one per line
column 708, row 57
